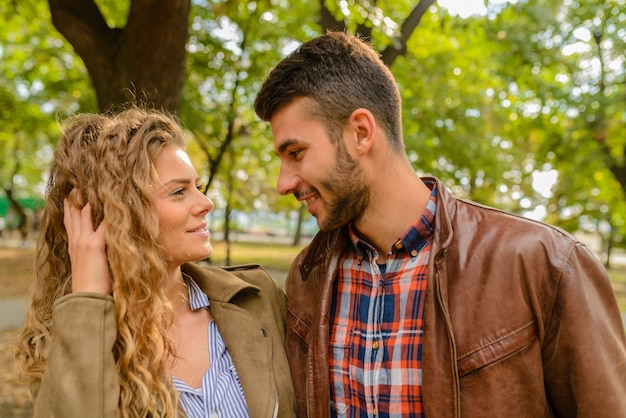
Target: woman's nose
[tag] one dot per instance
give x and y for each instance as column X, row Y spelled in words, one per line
column 207, row 204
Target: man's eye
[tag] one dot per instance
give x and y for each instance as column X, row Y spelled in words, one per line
column 294, row 153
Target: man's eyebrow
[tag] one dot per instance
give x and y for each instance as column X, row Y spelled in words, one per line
column 286, row 144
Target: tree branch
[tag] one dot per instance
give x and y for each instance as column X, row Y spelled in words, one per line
column 398, row 46
column 81, row 23
column 327, row 21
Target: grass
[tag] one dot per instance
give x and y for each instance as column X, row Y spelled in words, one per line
column 16, row 271
column 271, row 256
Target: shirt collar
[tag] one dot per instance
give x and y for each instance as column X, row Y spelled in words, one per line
column 413, row 239
column 197, row 298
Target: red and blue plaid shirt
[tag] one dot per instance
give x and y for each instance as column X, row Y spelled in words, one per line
column 377, row 327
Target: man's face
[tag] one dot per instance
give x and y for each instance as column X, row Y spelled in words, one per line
column 314, row 170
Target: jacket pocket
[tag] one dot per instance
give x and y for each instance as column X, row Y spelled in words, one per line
column 298, row 326
column 496, row 349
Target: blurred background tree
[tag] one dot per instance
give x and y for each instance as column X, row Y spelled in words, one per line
column 520, row 105
column 133, row 51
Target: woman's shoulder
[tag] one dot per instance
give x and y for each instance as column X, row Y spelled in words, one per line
column 224, row 282
column 253, row 274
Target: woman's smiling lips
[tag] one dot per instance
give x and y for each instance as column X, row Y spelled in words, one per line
column 201, row 230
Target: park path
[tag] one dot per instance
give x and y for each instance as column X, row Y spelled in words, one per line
column 12, row 312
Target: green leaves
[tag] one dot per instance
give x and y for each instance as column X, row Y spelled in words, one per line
column 489, row 101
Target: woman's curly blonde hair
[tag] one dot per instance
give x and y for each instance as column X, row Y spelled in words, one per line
column 108, row 161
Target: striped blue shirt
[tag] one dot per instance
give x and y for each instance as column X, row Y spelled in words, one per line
column 221, row 394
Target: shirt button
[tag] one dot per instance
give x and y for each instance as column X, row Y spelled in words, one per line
column 414, row 253
column 399, row 244
column 375, row 345
column 214, row 415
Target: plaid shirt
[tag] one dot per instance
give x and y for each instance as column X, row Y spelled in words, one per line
column 377, row 326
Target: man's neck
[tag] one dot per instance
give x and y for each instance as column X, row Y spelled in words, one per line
column 392, row 210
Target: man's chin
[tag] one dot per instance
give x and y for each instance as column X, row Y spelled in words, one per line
column 330, row 223
column 323, row 226
column 327, row 227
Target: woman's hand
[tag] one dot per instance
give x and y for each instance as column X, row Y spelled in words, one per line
column 86, row 247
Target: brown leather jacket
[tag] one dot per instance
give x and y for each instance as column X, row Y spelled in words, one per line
column 520, row 321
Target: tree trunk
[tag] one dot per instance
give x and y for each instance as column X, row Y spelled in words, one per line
column 22, row 225
column 298, row 235
column 609, row 246
column 143, row 62
column 598, row 126
column 227, row 230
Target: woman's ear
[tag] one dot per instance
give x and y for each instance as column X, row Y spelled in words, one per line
column 363, row 125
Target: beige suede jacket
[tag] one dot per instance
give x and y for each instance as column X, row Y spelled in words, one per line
column 520, row 321
column 248, row 307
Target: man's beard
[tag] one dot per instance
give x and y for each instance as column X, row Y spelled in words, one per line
column 346, row 183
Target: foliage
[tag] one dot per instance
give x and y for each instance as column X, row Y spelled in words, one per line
column 492, row 102
column 570, row 78
column 457, row 124
column 42, row 79
column 232, row 45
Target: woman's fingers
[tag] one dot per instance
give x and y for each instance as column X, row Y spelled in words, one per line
column 86, row 224
column 67, row 219
column 87, row 250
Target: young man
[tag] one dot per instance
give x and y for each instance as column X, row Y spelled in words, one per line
column 410, row 302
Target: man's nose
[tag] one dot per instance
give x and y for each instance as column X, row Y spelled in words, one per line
column 287, row 181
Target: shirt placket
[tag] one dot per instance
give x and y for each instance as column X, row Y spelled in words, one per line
column 374, row 350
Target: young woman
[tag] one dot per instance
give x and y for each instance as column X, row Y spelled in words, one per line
column 121, row 321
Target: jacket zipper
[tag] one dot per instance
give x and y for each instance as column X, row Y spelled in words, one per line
column 308, row 408
column 275, row 414
column 449, row 327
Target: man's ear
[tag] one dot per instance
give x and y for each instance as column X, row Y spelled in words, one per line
column 363, row 125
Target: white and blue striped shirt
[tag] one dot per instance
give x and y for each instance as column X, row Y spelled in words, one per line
column 221, row 394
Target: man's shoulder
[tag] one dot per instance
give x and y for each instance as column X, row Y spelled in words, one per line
column 491, row 217
column 323, row 245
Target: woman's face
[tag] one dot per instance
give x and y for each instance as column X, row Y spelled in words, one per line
column 181, row 209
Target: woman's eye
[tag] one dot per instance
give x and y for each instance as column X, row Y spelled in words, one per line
column 177, row 192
